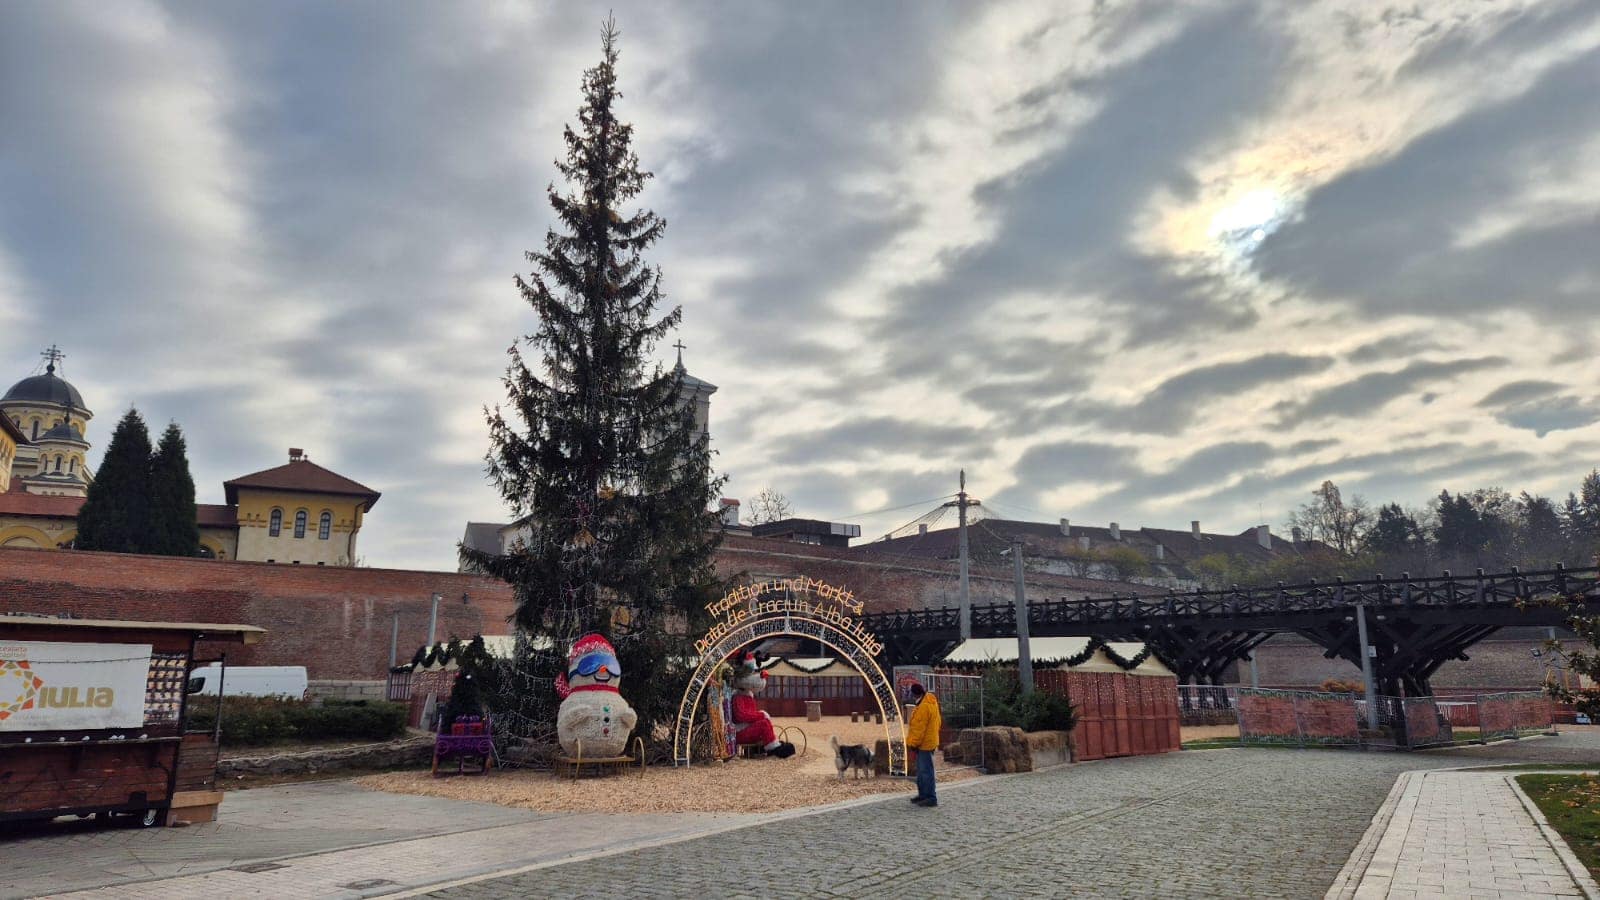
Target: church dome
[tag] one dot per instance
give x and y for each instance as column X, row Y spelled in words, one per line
column 62, row 432
column 46, row 388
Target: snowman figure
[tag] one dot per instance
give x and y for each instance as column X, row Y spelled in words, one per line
column 593, row 719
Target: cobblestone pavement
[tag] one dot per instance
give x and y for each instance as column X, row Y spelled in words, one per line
column 1463, row 834
column 1228, row 823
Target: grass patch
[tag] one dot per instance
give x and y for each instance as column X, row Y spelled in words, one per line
column 1210, row 743
column 1572, row 804
column 1465, row 734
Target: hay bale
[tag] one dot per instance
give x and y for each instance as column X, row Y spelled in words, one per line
column 1004, row 748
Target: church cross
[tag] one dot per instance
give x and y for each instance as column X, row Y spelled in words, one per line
column 680, row 346
column 53, row 355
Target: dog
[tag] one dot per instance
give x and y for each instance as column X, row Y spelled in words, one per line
column 851, row 756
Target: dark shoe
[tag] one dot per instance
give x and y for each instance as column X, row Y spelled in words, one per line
column 916, row 799
column 784, row 751
column 925, row 801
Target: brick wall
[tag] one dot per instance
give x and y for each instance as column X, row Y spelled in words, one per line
column 334, row 621
column 1498, row 663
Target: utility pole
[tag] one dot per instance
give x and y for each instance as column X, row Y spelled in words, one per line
column 1366, row 666
column 433, row 620
column 961, row 503
column 1024, row 656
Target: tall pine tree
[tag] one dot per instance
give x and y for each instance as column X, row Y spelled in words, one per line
column 173, row 525
column 116, row 515
column 595, row 448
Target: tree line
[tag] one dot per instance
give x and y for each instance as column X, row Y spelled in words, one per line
column 142, row 498
column 1486, row 528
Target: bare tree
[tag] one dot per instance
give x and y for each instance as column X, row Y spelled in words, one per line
column 1327, row 518
column 769, row 506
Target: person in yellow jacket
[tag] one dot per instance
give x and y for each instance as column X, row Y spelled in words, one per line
column 922, row 738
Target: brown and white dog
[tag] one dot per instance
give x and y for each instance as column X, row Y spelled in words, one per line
column 851, row 756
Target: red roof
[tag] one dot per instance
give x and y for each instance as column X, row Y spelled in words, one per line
column 303, row 476
column 210, row 515
column 17, row 502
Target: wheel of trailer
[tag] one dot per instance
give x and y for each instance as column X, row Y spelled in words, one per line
column 144, row 819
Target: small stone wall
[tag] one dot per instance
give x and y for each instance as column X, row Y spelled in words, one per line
column 404, row 753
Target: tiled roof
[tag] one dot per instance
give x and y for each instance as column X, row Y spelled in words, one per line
column 483, row 536
column 300, row 475
column 20, row 503
column 212, row 515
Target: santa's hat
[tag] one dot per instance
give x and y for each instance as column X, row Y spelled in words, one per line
column 589, row 643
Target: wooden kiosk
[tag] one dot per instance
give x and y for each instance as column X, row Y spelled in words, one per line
column 91, row 720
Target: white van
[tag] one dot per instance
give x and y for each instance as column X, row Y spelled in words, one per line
column 249, row 681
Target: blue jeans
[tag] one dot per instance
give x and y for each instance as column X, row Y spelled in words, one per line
column 925, row 783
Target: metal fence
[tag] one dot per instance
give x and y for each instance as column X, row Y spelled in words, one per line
column 961, row 702
column 1316, row 718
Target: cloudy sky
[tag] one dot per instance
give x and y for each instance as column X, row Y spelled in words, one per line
column 1142, row 261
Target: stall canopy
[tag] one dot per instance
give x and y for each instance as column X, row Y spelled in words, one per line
column 1055, row 652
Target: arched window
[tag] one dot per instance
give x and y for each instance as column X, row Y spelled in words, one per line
column 58, row 462
column 72, row 465
column 276, row 527
column 35, row 430
column 300, row 523
column 324, row 525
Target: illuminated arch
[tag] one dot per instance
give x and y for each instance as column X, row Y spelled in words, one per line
column 757, row 626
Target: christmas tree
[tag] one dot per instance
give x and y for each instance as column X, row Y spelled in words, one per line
column 595, row 451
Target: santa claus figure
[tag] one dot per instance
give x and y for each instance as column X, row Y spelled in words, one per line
column 753, row 727
column 594, row 721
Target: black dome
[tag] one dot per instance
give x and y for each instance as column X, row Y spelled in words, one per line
column 61, row 432
column 46, row 388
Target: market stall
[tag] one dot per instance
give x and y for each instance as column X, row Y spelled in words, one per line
column 91, row 719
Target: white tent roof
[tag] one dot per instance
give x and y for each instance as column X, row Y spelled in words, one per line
column 1051, row 650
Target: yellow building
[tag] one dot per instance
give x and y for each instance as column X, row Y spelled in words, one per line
column 299, row 513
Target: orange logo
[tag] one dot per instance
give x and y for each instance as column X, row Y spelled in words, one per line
column 19, row 687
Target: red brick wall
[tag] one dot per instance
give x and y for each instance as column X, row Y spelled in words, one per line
column 334, row 621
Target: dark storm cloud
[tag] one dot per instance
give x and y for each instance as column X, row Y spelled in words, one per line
column 1552, row 414
column 1387, row 237
column 1368, row 393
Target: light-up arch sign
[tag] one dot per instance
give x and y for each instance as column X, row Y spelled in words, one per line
column 801, row 607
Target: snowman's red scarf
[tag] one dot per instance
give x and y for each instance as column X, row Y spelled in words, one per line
column 563, row 690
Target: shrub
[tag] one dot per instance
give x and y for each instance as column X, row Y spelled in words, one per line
column 269, row 720
column 1340, row 686
column 1005, row 704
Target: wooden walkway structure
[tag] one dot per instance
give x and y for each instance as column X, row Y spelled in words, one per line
column 1415, row 625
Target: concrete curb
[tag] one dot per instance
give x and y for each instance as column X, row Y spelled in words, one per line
column 1575, row 868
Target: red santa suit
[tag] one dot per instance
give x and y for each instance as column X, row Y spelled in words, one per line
column 754, row 726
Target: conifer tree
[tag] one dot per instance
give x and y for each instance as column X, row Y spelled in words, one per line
column 595, row 449
column 173, row 525
column 116, row 515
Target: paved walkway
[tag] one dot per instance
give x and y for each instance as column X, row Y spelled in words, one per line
column 323, row 839
column 1227, row 823
column 1460, row 834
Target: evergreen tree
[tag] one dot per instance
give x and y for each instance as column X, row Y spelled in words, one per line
column 1540, row 541
column 1395, row 536
column 116, row 515
column 174, row 528
column 596, row 450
